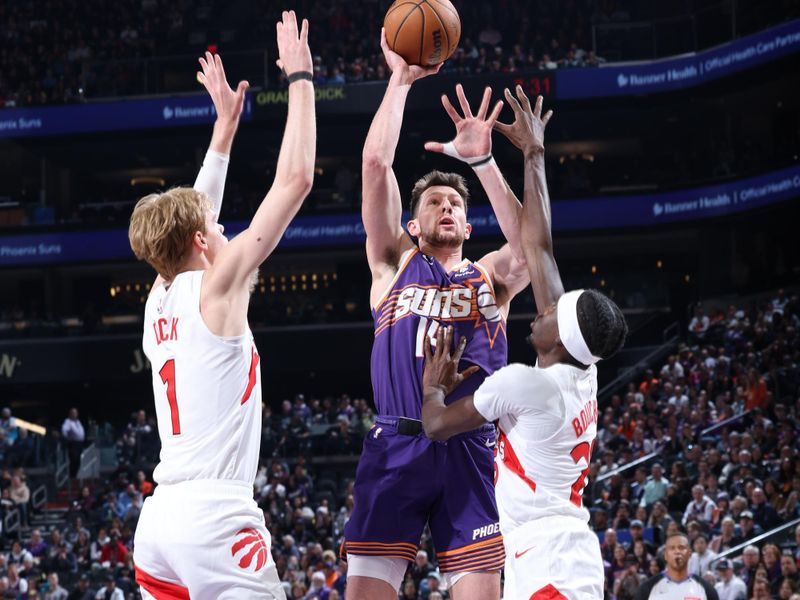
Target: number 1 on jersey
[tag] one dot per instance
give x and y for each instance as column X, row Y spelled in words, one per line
column 167, row 373
column 424, row 330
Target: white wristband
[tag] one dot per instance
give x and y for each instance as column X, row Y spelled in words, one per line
column 475, row 162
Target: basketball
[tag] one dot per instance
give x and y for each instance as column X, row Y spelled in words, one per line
column 423, row 32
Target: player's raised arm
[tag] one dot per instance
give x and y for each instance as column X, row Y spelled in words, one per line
column 473, row 145
column 382, row 207
column 228, row 104
column 230, row 273
column 441, row 376
column 527, row 134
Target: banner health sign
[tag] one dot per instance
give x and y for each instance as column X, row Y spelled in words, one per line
column 676, row 73
column 115, row 115
column 345, row 230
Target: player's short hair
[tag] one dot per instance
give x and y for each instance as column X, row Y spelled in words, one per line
column 162, row 226
column 602, row 324
column 453, row 180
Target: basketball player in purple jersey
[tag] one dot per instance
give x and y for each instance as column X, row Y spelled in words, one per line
column 404, row 480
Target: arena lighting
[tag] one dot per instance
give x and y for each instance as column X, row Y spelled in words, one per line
column 32, row 427
column 148, row 180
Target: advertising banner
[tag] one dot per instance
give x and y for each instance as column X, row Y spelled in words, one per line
column 680, row 72
column 604, row 212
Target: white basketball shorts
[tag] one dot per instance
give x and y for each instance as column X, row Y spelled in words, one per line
column 206, row 540
column 553, row 558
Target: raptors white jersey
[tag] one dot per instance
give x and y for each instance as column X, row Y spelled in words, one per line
column 547, row 424
column 207, row 389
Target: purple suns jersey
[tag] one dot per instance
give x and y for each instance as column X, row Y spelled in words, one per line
column 422, row 297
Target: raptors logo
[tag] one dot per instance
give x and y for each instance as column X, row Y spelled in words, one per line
column 250, row 546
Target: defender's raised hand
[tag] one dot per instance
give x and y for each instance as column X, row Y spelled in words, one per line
column 227, row 102
column 399, row 67
column 293, row 51
column 473, row 139
column 441, row 367
column 527, row 130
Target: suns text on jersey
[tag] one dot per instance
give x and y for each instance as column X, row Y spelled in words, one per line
column 585, row 418
column 455, row 303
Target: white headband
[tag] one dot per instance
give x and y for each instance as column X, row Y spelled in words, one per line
column 570, row 331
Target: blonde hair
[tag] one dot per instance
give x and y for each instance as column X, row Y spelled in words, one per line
column 162, row 226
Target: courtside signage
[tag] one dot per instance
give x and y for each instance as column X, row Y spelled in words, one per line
column 168, row 111
column 684, row 71
column 344, row 230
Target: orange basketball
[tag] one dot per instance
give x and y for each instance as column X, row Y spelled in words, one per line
column 423, row 32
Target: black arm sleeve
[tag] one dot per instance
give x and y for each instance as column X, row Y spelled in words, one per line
column 644, row 590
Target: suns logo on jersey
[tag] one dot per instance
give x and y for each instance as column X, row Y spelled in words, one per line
column 249, row 547
column 453, row 303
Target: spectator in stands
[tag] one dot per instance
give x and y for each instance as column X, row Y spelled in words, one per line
column 129, row 503
column 421, row 567
column 656, row 487
column 699, row 325
column 787, row 589
column 761, row 589
column 701, row 508
column 730, row 587
column 8, row 430
column 318, row 590
column 74, row 437
column 73, row 531
column 145, row 485
column 727, row 537
column 63, row 562
column 673, row 370
column 82, row 590
column 702, row 557
column 54, row 589
column 37, row 546
column 747, row 526
column 16, row 584
column 20, row 494
column 82, row 550
column 109, row 591
column 432, row 585
column 764, row 514
column 626, row 586
column 789, row 568
column 771, row 557
column 755, row 390
column 114, row 551
column 751, row 557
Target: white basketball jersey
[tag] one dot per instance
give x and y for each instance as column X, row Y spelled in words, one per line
column 207, row 389
column 547, row 424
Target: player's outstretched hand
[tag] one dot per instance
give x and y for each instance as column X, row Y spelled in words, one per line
column 441, row 365
column 398, row 65
column 473, row 132
column 227, row 102
column 527, row 130
column 293, row 52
